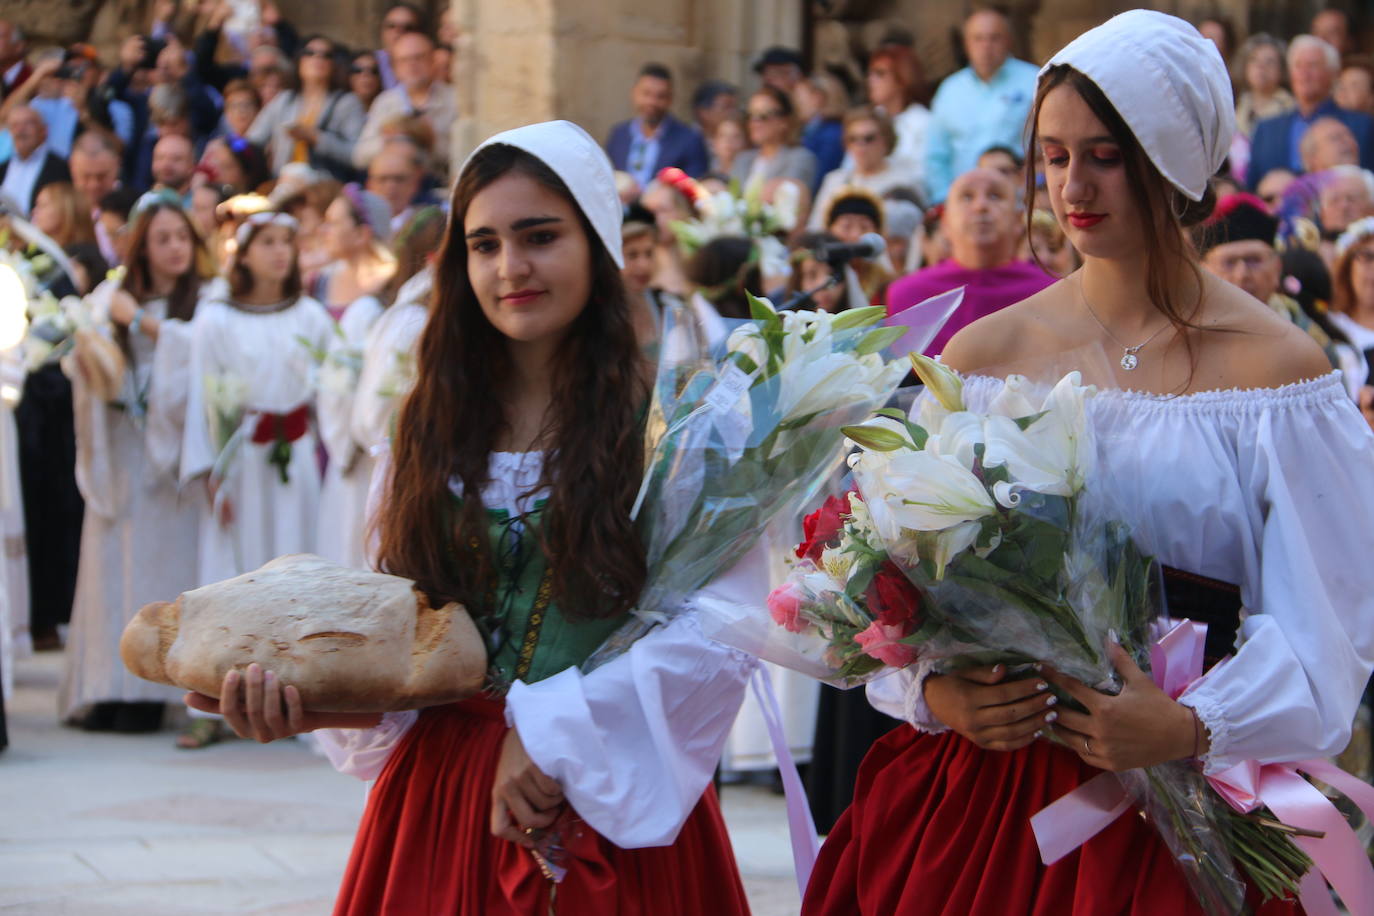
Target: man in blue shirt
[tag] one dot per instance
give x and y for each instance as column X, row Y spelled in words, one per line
column 1313, row 65
column 653, row 139
column 983, row 105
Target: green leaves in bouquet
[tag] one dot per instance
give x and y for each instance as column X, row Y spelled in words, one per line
column 878, row 339
column 770, row 328
column 876, row 438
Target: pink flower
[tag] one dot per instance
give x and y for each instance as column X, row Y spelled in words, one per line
column 784, row 603
column 880, row 641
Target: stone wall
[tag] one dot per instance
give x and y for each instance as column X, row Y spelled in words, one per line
column 573, row 59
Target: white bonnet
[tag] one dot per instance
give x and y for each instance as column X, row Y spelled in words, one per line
column 1169, row 85
column 578, row 159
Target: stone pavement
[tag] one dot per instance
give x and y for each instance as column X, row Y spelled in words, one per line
column 127, row 825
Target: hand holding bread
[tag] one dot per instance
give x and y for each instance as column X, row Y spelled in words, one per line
column 348, row 641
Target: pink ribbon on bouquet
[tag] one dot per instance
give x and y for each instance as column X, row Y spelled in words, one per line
column 1176, row 661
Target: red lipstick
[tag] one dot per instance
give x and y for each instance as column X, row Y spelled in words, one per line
column 1086, row 220
column 522, row 296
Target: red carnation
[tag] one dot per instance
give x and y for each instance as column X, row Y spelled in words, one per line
column 683, row 183
column 822, row 527
column 893, row 599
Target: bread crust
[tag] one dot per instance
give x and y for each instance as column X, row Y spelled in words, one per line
column 348, row 640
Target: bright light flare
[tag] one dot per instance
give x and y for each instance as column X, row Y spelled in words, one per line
column 14, row 306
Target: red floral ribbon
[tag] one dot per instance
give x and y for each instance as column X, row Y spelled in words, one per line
column 282, row 427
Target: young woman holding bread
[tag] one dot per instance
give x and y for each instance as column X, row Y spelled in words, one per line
column 514, row 465
column 138, row 538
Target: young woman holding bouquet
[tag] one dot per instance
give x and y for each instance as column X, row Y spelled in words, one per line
column 514, row 465
column 1236, row 456
column 138, row 540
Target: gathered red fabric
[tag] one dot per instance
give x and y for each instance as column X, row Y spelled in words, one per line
column 425, row 844
column 287, row 427
column 941, row 826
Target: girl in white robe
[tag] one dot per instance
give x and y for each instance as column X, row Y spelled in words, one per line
column 138, row 538
column 353, row 288
column 385, row 372
column 249, row 433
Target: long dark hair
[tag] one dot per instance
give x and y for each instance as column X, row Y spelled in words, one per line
column 1165, row 211
column 449, row 424
column 181, row 302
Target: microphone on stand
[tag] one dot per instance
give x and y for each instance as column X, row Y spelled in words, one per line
column 869, row 247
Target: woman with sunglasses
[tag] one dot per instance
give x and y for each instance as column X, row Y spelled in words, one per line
column 364, row 78
column 773, row 132
column 315, row 122
column 512, row 472
column 869, row 141
column 249, row 435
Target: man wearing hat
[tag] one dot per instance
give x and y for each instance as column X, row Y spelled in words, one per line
column 982, row 225
column 653, row 139
column 1237, row 245
column 782, row 68
column 981, row 106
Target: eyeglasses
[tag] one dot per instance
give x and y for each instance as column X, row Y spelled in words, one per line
column 764, row 115
column 861, row 139
column 1248, row 261
column 358, row 71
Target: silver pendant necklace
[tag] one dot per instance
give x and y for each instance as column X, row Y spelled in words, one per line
column 1129, row 359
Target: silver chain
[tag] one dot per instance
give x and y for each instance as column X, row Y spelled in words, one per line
column 1128, row 357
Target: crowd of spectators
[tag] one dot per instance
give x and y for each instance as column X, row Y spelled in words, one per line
column 209, row 108
column 939, row 171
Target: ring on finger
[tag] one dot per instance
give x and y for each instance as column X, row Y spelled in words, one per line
column 1087, row 747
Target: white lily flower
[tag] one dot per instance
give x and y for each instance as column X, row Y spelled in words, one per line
column 951, row 542
column 747, row 340
column 1053, row 454
column 959, row 433
column 860, row 519
column 923, row 491
column 787, row 204
column 1012, row 401
column 834, row 380
column 940, row 380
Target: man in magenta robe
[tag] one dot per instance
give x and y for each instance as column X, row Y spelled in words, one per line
column 981, row 224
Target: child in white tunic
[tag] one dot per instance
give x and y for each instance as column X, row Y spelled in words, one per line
column 386, row 371
column 248, row 429
column 138, row 539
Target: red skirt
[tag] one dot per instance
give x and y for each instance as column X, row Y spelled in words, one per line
column 940, row 826
column 425, row 845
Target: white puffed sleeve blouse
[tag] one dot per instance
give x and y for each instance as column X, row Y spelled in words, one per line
column 1271, row 489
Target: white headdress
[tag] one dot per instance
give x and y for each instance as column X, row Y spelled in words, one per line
column 576, row 158
column 1169, row 85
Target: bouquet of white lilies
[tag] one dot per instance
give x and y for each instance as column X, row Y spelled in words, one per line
column 737, row 440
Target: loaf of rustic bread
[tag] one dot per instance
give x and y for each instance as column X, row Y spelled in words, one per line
column 349, row 640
